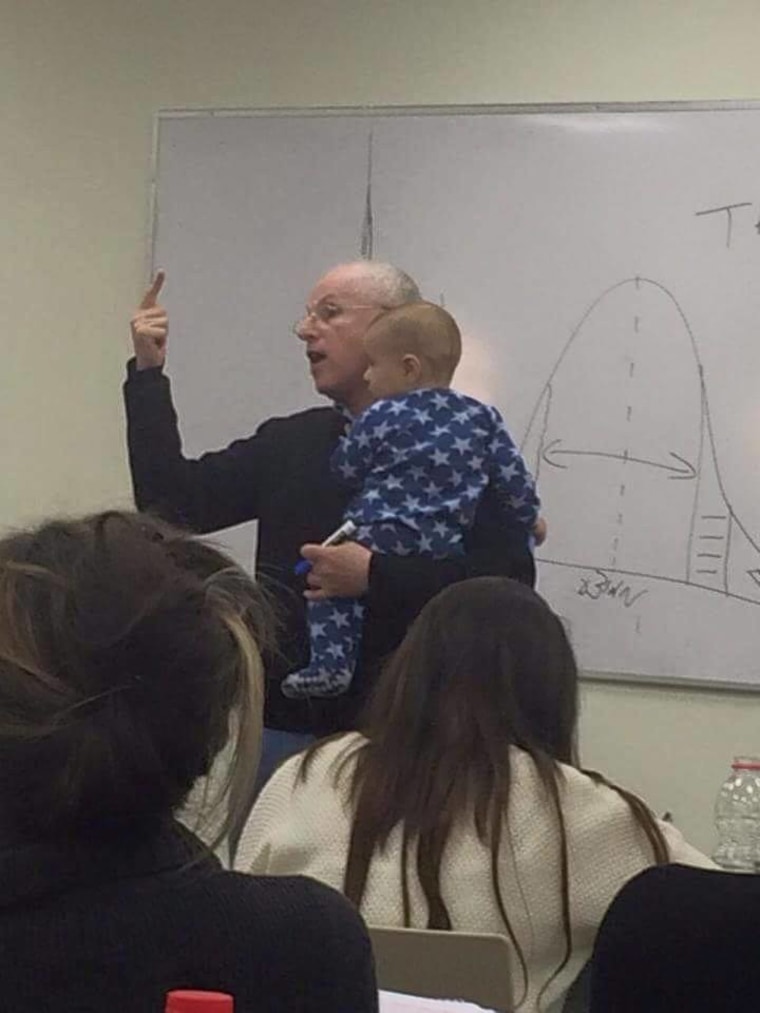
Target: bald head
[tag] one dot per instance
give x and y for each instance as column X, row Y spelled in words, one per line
column 418, row 343
column 377, row 282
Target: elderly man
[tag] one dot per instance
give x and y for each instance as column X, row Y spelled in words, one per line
column 281, row 477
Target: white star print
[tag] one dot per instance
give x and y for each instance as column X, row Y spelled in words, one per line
column 440, row 458
column 508, row 471
column 338, row 618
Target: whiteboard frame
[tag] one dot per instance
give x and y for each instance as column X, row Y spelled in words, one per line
column 631, row 680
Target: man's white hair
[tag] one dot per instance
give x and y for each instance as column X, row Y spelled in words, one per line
column 390, row 285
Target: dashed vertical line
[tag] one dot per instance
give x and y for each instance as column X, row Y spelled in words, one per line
column 626, row 442
column 727, row 552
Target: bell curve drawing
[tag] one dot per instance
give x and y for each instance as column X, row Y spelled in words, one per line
column 626, row 450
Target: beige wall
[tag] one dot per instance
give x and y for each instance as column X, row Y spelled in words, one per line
column 79, row 83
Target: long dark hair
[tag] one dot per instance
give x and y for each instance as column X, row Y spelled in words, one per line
column 128, row 657
column 486, row 666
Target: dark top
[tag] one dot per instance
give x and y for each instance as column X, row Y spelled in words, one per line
column 679, row 940
column 281, row 476
column 96, row 930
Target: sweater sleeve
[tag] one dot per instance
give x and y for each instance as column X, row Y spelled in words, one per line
column 680, row 851
column 215, row 491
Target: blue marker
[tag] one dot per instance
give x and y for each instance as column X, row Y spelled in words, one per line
column 346, row 531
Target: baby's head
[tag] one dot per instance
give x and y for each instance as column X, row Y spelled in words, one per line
column 412, row 346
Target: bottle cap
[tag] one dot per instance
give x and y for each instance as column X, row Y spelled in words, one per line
column 191, row 1001
column 746, row 763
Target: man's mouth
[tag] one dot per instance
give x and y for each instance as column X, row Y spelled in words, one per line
column 315, row 357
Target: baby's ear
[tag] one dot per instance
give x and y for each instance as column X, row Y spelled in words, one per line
column 412, row 367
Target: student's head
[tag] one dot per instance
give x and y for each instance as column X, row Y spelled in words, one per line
column 341, row 306
column 128, row 656
column 412, row 346
column 486, row 664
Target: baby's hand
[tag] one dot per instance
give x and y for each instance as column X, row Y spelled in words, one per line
column 540, row 529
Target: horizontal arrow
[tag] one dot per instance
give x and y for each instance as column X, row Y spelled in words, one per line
column 682, row 469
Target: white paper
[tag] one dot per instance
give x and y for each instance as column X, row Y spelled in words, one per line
column 395, row 1002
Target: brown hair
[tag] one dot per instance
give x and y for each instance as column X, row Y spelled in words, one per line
column 422, row 329
column 486, row 666
column 125, row 647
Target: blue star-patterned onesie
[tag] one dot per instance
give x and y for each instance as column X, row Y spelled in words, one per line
column 419, row 463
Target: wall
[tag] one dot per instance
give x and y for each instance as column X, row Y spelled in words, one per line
column 79, row 83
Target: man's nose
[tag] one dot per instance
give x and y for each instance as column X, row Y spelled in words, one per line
column 304, row 329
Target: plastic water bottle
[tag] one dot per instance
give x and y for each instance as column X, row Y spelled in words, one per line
column 737, row 817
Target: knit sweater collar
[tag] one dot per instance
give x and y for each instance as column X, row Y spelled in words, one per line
column 37, row 871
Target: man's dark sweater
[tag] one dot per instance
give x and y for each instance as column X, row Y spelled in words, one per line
column 90, row 930
column 281, row 476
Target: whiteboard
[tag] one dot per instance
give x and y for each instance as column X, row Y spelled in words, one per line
column 604, row 264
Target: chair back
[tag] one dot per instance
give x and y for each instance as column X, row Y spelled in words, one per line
column 444, row 965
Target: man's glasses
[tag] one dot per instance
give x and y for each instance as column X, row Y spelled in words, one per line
column 327, row 312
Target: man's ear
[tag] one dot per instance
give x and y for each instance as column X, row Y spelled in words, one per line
column 412, row 367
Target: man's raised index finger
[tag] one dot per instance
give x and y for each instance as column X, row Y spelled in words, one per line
column 149, row 299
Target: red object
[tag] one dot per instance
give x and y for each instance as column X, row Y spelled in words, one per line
column 190, row 1001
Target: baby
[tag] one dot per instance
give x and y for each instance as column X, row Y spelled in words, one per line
column 419, row 459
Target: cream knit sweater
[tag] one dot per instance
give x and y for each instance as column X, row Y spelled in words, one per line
column 304, row 828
